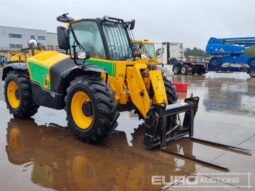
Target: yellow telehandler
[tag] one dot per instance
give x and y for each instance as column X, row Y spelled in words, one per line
column 96, row 78
column 24, row 54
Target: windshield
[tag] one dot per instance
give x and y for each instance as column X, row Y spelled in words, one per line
column 137, row 47
column 88, row 35
column 117, row 41
column 150, row 50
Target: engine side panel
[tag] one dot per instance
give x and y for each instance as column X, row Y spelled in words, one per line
column 39, row 67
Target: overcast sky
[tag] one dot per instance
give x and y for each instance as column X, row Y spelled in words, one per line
column 189, row 21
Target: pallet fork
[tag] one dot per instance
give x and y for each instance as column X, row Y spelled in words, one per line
column 180, row 131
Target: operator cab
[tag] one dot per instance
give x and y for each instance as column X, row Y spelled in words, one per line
column 105, row 38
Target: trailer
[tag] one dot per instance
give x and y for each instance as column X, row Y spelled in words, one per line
column 231, row 55
column 186, row 68
column 168, row 51
column 173, row 54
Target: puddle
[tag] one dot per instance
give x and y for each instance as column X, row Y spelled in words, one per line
column 42, row 153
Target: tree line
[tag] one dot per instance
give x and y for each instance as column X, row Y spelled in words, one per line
column 194, row 52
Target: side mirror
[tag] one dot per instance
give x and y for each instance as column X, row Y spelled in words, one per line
column 64, row 18
column 63, row 40
column 132, row 25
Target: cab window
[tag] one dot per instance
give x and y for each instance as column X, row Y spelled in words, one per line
column 88, row 35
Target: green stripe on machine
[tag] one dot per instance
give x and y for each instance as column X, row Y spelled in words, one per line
column 108, row 66
column 38, row 73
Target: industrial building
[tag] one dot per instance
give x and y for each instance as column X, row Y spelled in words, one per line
column 14, row 38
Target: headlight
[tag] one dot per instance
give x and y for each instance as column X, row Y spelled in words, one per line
column 81, row 55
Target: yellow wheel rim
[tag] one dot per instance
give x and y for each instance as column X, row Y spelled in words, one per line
column 11, row 95
column 81, row 120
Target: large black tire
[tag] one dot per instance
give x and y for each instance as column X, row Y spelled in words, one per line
column 27, row 107
column 215, row 61
column 251, row 63
column 170, row 91
column 183, row 70
column 103, row 108
column 200, row 72
column 176, row 69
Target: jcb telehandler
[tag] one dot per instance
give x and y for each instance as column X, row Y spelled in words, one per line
column 24, row 54
column 94, row 80
column 145, row 50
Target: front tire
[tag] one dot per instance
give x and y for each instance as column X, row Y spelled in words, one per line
column 18, row 95
column 91, row 109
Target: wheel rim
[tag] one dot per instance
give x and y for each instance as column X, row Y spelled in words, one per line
column 13, row 100
column 183, row 70
column 82, row 118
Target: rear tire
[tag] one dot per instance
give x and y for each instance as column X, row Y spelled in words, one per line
column 18, row 95
column 184, row 70
column 176, row 69
column 252, row 73
column 170, row 91
column 97, row 116
column 215, row 61
column 251, row 63
column 172, row 97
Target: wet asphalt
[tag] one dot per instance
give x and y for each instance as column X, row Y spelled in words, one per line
column 42, row 153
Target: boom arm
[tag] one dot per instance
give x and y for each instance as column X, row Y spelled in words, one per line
column 243, row 41
column 226, row 46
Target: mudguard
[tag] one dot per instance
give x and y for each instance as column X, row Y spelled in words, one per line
column 14, row 66
column 61, row 73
